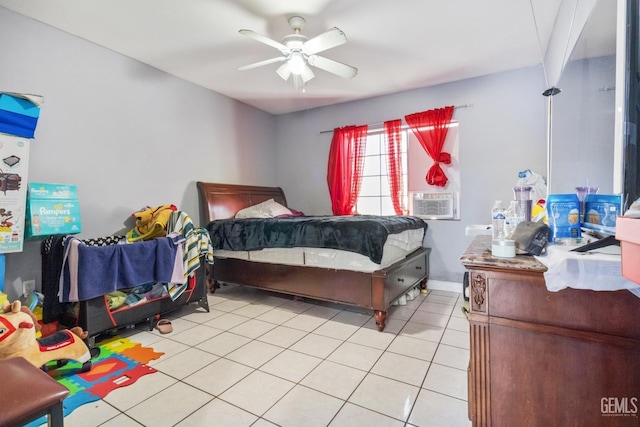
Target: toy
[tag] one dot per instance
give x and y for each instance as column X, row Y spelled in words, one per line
column 18, row 328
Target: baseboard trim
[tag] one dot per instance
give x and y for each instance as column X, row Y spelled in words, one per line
column 441, row 285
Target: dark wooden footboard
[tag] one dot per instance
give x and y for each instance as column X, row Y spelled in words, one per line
column 375, row 291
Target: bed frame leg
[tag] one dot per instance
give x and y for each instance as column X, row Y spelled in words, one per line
column 381, row 318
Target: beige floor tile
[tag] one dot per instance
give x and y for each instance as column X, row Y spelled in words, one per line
column 422, row 331
column 257, row 392
column 434, row 307
column 169, row 406
column 185, row 363
column 254, row 353
column 371, row 338
column 336, row 329
column 121, row 420
column 218, row 376
column 253, row 310
column 291, row 365
column 355, row 355
column 316, row 345
column 195, row 335
column 304, row 407
column 429, row 318
column 226, row 321
column 456, row 338
column 437, row 410
column 220, row 414
column 458, row 324
column 439, row 299
column 447, row 380
column 223, row 343
column 277, row 316
column 401, row 368
column 356, row 416
column 396, row 401
column 305, row 322
column 413, row 347
column 94, row 414
column 454, row 357
column 145, row 387
column 282, row 336
column 334, row 379
column 252, row 328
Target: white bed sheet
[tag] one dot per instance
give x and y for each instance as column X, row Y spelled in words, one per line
column 397, row 247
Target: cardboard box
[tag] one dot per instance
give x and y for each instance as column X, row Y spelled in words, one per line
column 52, row 209
column 19, row 114
column 628, row 233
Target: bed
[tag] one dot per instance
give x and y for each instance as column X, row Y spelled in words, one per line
column 303, row 272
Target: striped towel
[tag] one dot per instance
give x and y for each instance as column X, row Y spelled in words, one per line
column 197, row 243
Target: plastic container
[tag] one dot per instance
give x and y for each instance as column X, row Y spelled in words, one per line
column 582, row 194
column 523, row 197
column 503, row 248
column 512, row 218
column 563, row 217
column 497, row 219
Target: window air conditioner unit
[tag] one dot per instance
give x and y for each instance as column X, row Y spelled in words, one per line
column 433, row 205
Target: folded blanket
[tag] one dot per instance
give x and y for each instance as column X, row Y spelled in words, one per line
column 91, row 271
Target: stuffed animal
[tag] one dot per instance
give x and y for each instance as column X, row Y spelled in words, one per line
column 18, row 328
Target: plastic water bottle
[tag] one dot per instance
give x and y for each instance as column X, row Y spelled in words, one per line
column 497, row 220
column 511, row 219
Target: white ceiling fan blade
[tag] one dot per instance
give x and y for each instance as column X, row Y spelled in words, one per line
column 335, row 67
column 266, row 40
column 330, row 38
column 261, row 63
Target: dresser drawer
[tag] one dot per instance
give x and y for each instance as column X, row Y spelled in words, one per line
column 406, row 276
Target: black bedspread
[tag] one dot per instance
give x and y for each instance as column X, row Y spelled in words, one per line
column 364, row 234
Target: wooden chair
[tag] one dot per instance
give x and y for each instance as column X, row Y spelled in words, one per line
column 28, row 393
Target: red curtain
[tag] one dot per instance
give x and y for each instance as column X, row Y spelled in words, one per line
column 344, row 172
column 430, row 127
column 394, row 164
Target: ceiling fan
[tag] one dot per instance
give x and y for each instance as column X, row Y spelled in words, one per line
column 299, row 51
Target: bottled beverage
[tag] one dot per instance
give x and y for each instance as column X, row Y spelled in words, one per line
column 497, row 220
column 512, row 217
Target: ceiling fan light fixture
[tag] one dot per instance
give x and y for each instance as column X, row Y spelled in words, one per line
column 297, row 63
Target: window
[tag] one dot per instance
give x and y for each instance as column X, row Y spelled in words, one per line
column 375, row 196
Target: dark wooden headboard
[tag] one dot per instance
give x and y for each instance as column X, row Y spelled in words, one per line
column 220, row 201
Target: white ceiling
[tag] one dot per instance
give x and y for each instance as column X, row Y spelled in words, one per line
column 396, row 45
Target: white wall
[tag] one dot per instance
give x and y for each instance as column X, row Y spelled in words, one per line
column 502, row 133
column 126, row 134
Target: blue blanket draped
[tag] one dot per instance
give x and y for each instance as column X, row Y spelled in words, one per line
column 98, row 270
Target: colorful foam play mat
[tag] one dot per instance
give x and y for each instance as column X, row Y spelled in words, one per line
column 120, row 363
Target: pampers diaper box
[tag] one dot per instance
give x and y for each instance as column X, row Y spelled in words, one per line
column 601, row 212
column 52, row 209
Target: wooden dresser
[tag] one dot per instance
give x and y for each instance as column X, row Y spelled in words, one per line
column 541, row 358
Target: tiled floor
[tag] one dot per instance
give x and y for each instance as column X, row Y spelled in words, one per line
column 262, row 359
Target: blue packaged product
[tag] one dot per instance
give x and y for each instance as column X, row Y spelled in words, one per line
column 563, row 216
column 601, row 212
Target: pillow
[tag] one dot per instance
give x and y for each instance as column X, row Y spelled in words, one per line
column 267, row 209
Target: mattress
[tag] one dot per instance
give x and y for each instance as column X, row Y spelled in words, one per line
column 396, row 247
